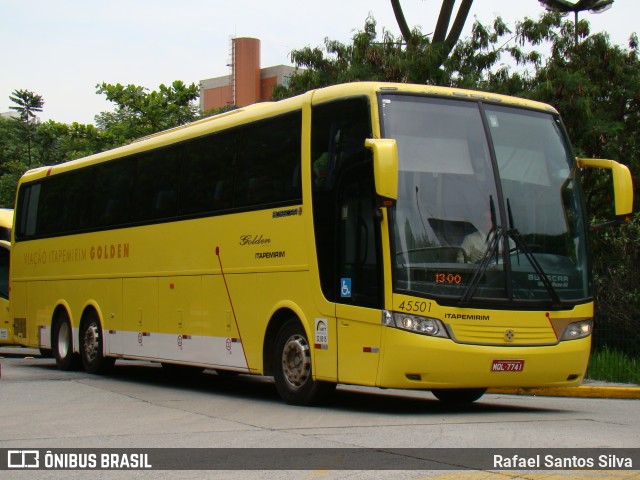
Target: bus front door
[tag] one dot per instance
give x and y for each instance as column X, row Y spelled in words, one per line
column 359, row 267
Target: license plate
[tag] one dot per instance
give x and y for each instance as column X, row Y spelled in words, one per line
column 507, row 366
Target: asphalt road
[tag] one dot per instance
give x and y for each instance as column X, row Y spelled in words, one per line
column 137, row 406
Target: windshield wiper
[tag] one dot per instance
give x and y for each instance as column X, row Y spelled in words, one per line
column 521, row 245
column 495, row 236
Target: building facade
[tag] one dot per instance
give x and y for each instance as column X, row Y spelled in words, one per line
column 247, row 82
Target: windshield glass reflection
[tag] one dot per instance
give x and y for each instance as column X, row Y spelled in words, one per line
column 487, row 203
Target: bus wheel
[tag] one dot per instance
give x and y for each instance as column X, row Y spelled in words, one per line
column 458, row 395
column 63, row 344
column 292, row 368
column 92, row 346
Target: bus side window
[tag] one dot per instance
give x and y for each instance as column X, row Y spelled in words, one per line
column 111, row 193
column 206, row 179
column 269, row 155
column 154, row 196
column 338, row 154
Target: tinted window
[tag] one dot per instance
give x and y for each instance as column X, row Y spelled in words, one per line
column 247, row 167
column 206, row 184
column 155, row 186
column 269, row 162
column 111, row 192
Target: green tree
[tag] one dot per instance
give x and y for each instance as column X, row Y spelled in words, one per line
column 11, row 173
column 140, row 112
column 52, row 143
column 366, row 58
column 473, row 63
column 444, row 38
column 27, row 105
column 11, row 152
column 25, row 143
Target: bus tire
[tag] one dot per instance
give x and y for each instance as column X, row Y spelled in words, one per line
column 458, row 395
column 63, row 344
column 92, row 346
column 292, row 368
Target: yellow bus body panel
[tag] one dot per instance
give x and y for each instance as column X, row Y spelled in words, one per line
column 420, row 362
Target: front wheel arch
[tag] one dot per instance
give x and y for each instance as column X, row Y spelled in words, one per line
column 278, row 319
column 293, row 369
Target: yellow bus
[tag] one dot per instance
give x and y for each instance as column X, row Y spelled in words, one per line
column 6, row 221
column 389, row 235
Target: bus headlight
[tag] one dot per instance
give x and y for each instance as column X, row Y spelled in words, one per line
column 577, row 330
column 424, row 325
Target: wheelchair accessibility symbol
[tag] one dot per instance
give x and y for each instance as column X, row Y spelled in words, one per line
column 345, row 289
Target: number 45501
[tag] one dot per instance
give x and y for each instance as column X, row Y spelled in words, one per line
column 415, row 306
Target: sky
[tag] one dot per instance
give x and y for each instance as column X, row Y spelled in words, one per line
column 63, row 49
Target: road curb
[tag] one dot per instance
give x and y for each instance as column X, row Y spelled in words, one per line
column 585, row 391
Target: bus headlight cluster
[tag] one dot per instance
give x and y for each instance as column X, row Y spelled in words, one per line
column 424, row 325
column 578, row 330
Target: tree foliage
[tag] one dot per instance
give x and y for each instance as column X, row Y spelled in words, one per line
column 444, row 38
column 52, row 143
column 367, row 58
column 141, row 112
column 27, row 104
column 26, row 143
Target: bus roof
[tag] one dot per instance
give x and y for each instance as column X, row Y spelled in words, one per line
column 260, row 110
column 355, row 88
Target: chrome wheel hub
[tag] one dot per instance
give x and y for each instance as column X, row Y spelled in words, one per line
column 296, row 361
column 91, row 342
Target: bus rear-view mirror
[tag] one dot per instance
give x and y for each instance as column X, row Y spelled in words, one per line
column 622, row 187
column 385, row 167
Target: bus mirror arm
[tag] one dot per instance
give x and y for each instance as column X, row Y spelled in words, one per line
column 604, row 225
column 622, row 188
column 385, row 169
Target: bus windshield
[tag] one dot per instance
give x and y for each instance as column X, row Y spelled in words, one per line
column 488, row 206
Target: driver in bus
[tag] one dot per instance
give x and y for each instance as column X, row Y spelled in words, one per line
column 475, row 244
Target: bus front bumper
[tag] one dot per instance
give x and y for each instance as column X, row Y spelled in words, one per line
column 416, row 361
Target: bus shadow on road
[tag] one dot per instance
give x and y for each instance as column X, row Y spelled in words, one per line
column 347, row 398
